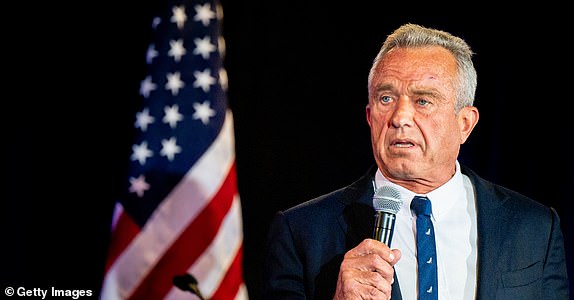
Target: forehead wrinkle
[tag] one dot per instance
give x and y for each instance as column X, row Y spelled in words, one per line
column 386, row 87
column 411, row 90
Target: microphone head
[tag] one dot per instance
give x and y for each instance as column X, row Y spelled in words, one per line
column 387, row 199
column 184, row 282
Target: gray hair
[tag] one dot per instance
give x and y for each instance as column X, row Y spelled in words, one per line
column 412, row 35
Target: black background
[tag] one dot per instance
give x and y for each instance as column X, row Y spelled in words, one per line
column 297, row 86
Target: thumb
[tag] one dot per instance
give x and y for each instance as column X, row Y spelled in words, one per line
column 397, row 254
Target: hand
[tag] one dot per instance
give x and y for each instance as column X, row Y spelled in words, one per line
column 367, row 271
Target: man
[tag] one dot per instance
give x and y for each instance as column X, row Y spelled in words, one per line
column 491, row 242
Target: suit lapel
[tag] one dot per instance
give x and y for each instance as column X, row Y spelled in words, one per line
column 491, row 215
column 396, row 289
column 357, row 219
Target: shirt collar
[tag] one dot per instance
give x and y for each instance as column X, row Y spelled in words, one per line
column 442, row 198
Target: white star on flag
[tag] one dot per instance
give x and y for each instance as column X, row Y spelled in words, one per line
column 141, row 152
column 203, row 47
column 138, row 185
column 170, row 148
column 172, row 115
column 203, row 112
column 151, row 53
column 147, row 86
column 203, row 79
column 143, row 119
column 176, row 50
column 174, row 83
column 204, row 14
column 179, row 17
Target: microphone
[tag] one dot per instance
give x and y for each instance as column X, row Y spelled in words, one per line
column 187, row 283
column 386, row 202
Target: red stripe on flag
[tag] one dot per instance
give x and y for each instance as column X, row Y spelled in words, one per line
column 125, row 231
column 190, row 245
column 233, row 279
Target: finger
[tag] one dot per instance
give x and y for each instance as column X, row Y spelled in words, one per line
column 379, row 266
column 371, row 246
column 375, row 280
column 368, row 265
column 362, row 285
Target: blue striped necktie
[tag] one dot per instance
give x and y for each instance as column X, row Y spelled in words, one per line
column 426, row 249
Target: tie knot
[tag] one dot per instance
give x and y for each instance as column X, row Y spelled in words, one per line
column 421, row 206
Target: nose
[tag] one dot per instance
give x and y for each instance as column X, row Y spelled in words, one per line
column 403, row 113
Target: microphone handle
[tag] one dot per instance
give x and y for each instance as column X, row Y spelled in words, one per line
column 384, row 226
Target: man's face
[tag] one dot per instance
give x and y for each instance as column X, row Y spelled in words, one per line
column 415, row 131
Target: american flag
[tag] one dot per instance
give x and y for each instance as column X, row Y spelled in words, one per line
column 180, row 212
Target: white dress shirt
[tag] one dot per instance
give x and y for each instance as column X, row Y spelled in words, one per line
column 454, row 221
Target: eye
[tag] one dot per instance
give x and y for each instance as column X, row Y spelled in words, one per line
column 385, row 99
column 423, row 102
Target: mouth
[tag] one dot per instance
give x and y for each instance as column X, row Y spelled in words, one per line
column 402, row 144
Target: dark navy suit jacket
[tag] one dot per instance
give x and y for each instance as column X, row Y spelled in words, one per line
column 520, row 244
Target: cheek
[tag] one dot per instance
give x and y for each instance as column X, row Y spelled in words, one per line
column 447, row 134
column 378, row 133
column 378, row 118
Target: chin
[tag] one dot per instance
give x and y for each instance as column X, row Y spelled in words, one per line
column 402, row 169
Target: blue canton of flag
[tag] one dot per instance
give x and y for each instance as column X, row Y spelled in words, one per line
column 184, row 106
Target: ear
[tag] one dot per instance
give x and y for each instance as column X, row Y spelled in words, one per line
column 467, row 119
column 368, row 114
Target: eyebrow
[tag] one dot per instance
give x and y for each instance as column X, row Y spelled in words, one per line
column 432, row 92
